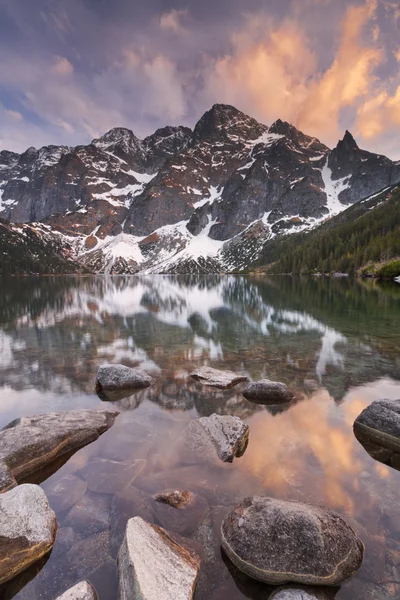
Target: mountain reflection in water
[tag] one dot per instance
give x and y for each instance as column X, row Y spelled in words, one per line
column 335, row 343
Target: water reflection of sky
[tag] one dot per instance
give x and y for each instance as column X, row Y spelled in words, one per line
column 54, row 336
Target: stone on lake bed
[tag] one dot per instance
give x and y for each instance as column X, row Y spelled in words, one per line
column 176, row 499
column 180, row 512
column 82, row 591
column 28, row 529
column 379, row 424
column 226, row 436
column 297, row 593
column 279, row 542
column 30, row 444
column 153, row 566
column 267, row 392
column 223, row 380
column 119, row 377
column 108, row 476
column 66, row 492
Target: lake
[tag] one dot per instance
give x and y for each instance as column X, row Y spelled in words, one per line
column 334, row 342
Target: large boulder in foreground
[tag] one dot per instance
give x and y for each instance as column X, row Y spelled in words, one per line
column 279, row 542
column 153, row 566
column 116, row 378
column 223, row 380
column 28, row 529
column 82, row 591
column 225, row 436
column 377, row 428
column 30, row 444
column 267, row 392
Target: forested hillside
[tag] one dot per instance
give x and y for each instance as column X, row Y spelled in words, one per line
column 364, row 238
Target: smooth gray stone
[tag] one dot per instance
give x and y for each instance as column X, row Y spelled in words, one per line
column 267, row 392
column 226, row 435
column 279, row 542
column 82, row 591
column 153, row 566
column 30, row 444
column 28, row 529
column 295, row 593
column 379, row 424
column 118, row 377
column 223, row 380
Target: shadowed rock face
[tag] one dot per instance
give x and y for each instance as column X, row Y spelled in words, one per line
column 280, row 542
column 113, row 378
column 152, row 566
column 225, row 436
column 82, row 591
column 223, row 380
column 28, row 529
column 267, row 392
column 30, row 444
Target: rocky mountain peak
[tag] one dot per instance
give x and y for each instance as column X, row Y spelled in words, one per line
column 283, row 128
column 225, row 122
column 168, row 140
column 118, row 136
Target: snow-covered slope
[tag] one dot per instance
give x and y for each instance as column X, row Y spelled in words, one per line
column 182, row 200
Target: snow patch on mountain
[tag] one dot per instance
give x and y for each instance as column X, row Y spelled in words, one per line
column 333, row 188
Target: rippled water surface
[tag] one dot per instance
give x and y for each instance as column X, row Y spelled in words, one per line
column 336, row 343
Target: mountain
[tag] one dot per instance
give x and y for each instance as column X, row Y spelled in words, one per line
column 26, row 250
column 364, row 238
column 181, row 200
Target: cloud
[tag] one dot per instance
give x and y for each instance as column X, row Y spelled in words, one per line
column 172, row 21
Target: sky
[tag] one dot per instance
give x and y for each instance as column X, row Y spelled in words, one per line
column 70, row 70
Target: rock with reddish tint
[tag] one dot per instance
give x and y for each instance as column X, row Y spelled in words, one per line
column 224, row 436
column 153, row 566
column 181, row 512
column 30, row 444
column 267, row 392
column 223, row 380
column 82, row 591
column 279, row 542
column 28, row 529
column 177, row 498
column 113, row 378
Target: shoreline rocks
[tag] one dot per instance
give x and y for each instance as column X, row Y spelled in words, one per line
column 30, row 444
column 226, row 436
column 28, row 529
column 153, row 566
column 280, row 542
column 223, row 380
column 81, row 591
column 267, row 392
column 116, row 378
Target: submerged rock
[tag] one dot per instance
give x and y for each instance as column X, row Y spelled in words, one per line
column 280, row 542
column 377, row 428
column 30, row 444
column 114, row 378
column 129, row 502
column 66, row 492
column 82, row 591
column 153, row 566
column 177, row 498
column 28, row 529
column 296, row 593
column 227, row 436
column 108, row 476
column 181, row 512
column 267, row 392
column 223, row 380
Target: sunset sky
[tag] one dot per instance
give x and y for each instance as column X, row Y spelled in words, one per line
column 72, row 69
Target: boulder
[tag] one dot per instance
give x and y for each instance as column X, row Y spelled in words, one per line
column 297, row 593
column 176, row 499
column 226, row 436
column 28, row 445
column 153, row 566
column 129, row 502
column 223, row 380
column 114, row 378
column 28, row 529
column 279, row 542
column 377, row 428
column 267, row 392
column 82, row 591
